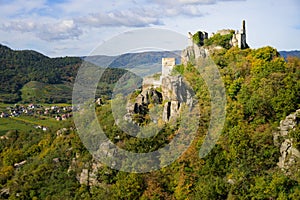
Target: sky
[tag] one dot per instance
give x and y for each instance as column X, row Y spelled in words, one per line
column 76, row 27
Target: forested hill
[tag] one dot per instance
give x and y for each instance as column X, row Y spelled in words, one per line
column 18, row 68
column 257, row 155
column 28, row 76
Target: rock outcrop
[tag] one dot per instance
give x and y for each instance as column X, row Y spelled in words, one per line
column 289, row 155
column 175, row 93
column 86, row 174
column 142, row 101
column 192, row 53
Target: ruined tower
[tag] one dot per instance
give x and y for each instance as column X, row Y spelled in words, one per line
column 239, row 38
column 167, row 66
column 199, row 37
column 242, row 42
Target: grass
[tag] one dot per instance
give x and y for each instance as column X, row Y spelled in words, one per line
column 9, row 124
column 3, row 107
column 27, row 123
column 42, row 120
column 40, row 92
column 55, row 104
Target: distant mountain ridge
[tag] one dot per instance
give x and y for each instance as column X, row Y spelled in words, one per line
column 143, row 63
column 294, row 53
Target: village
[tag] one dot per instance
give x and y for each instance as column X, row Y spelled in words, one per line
column 58, row 112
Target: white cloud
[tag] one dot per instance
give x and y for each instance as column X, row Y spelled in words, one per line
column 62, row 30
column 33, row 23
column 59, row 30
column 138, row 17
column 189, row 2
column 196, row 1
column 185, row 2
column 192, row 11
column 128, row 18
column 166, row 12
column 21, row 26
column 28, row 16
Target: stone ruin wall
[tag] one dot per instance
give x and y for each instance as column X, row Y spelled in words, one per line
column 167, row 66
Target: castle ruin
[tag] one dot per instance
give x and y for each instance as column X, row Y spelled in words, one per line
column 167, row 65
column 200, row 36
column 196, row 48
column 239, row 37
column 174, row 93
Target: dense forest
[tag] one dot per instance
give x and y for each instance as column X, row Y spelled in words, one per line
column 30, row 77
column 21, row 67
column 262, row 88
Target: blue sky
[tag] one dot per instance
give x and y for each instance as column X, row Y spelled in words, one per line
column 76, row 27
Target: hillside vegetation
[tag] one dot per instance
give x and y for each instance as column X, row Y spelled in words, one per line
column 261, row 89
column 52, row 78
column 28, row 76
column 20, row 67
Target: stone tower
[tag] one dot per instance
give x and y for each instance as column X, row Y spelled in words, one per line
column 242, row 42
column 167, row 66
column 239, row 38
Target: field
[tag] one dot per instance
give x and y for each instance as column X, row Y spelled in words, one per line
column 9, row 124
column 27, row 123
column 3, row 106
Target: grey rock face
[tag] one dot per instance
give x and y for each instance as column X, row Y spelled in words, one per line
column 141, row 103
column 88, row 174
column 192, row 53
column 289, row 154
column 176, row 93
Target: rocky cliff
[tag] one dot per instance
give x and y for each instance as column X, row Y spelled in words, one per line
column 289, row 154
column 192, row 53
column 173, row 94
column 139, row 106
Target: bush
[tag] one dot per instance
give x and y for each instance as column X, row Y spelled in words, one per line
column 220, row 40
